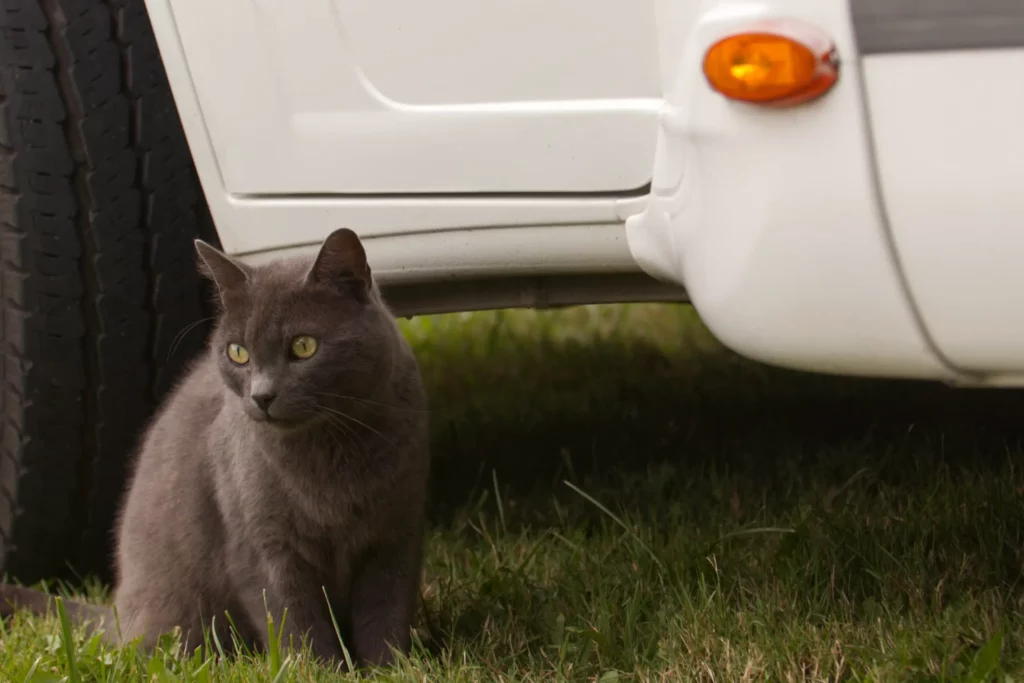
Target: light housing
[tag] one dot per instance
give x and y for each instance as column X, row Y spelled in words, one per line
column 773, row 63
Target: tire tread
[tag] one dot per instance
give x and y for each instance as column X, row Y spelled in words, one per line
column 99, row 203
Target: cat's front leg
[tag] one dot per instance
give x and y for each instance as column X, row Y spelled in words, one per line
column 385, row 589
column 290, row 584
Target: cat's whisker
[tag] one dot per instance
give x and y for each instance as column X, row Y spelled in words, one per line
column 331, row 428
column 345, row 430
column 355, row 435
column 369, row 402
column 180, row 337
column 359, row 422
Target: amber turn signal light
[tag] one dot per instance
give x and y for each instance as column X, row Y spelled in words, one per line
column 782, row 63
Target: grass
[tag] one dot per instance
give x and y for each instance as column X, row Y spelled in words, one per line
column 617, row 498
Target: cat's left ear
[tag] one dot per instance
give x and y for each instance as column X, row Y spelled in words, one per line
column 342, row 262
column 228, row 274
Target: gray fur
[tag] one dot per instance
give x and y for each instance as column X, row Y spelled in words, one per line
column 323, row 492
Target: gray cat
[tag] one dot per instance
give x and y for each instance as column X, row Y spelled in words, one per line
column 291, row 462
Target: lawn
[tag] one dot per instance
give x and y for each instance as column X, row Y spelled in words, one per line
column 617, row 498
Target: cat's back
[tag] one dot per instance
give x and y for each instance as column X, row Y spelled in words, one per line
column 170, row 537
column 171, row 469
column 189, row 412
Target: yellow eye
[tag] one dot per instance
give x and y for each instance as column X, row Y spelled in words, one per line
column 238, row 354
column 303, row 347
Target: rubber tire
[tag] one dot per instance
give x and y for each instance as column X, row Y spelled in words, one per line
column 99, row 206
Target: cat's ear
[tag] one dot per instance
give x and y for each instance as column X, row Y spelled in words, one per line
column 228, row 274
column 342, row 262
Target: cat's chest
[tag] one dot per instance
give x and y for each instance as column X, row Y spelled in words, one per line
column 304, row 487
column 320, row 511
column 311, row 502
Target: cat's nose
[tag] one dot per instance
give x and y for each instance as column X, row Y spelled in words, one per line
column 263, row 400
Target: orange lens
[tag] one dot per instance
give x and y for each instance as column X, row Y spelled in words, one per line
column 770, row 68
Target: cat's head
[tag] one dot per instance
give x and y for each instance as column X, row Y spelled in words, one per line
column 300, row 339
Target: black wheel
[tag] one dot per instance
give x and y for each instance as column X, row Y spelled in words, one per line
column 99, row 204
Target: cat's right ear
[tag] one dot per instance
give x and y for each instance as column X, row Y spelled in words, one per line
column 342, row 262
column 228, row 274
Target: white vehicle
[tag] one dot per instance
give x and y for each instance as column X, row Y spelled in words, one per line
column 836, row 186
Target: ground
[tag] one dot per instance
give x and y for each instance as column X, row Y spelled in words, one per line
column 617, row 498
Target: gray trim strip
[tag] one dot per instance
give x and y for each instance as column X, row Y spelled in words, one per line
column 883, row 26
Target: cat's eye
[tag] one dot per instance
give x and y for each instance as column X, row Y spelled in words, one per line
column 238, row 354
column 303, row 347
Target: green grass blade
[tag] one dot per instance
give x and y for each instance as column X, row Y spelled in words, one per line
column 32, row 671
column 283, row 670
column 618, row 520
column 337, row 631
column 68, row 642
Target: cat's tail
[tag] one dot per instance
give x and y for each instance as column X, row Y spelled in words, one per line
column 14, row 598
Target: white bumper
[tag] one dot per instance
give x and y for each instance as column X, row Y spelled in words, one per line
column 771, row 218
